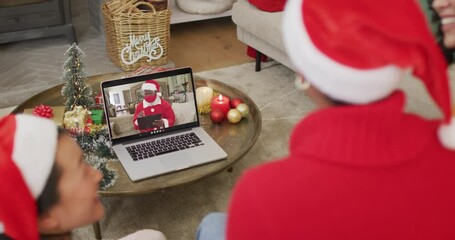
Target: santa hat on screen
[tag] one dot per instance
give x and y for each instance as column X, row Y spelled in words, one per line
column 27, row 152
column 356, row 51
column 152, row 85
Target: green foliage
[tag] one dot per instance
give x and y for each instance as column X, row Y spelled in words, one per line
column 101, row 164
column 76, row 92
column 98, row 152
column 97, row 143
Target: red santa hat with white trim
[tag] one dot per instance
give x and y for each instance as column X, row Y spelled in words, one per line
column 152, row 85
column 357, row 51
column 27, row 151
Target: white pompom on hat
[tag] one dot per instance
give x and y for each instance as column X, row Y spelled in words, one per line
column 27, row 154
column 152, row 85
column 357, row 51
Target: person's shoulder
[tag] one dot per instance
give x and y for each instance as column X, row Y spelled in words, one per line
column 140, row 104
column 269, row 172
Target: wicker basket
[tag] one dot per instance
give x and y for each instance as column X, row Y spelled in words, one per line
column 136, row 38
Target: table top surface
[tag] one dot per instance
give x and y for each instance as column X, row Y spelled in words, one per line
column 235, row 139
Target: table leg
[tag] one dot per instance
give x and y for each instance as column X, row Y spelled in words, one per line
column 97, row 230
column 258, row 61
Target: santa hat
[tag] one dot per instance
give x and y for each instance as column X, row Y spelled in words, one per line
column 152, row 85
column 357, row 51
column 27, row 151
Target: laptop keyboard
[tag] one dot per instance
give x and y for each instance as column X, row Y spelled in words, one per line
column 163, row 146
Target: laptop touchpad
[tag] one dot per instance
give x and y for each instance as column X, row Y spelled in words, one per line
column 175, row 161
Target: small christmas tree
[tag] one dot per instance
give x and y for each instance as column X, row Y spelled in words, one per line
column 76, row 92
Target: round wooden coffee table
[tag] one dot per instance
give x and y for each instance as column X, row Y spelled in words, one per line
column 235, row 139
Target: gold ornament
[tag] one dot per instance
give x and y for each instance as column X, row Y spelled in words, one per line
column 205, row 109
column 75, row 118
column 94, row 128
column 243, row 109
column 234, row 116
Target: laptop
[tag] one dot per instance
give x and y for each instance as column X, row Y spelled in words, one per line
column 182, row 143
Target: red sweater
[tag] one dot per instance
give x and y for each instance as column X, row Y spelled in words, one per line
column 353, row 172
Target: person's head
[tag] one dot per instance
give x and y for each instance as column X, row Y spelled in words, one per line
column 446, row 12
column 46, row 187
column 357, row 52
column 320, row 99
column 151, row 90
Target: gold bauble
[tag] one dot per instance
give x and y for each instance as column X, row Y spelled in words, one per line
column 243, row 109
column 234, row 116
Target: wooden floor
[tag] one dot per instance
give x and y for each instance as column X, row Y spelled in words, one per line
column 206, row 45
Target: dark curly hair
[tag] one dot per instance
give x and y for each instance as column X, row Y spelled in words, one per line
column 49, row 197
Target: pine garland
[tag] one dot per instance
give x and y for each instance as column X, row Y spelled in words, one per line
column 98, row 143
column 98, row 152
column 109, row 175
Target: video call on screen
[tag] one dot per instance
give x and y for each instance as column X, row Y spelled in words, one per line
column 125, row 101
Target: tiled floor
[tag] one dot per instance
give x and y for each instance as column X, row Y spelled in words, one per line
column 27, row 67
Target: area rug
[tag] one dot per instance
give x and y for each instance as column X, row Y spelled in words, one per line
column 177, row 211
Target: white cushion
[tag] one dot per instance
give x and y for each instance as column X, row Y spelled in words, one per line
column 184, row 112
column 145, row 234
column 264, row 25
column 204, row 6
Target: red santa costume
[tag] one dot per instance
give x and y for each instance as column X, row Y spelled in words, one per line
column 152, row 105
column 367, row 170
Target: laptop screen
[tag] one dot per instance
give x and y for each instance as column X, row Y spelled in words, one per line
column 150, row 104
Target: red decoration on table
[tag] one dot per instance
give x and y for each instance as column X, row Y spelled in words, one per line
column 220, row 102
column 44, row 111
column 99, row 98
column 217, row 116
column 235, row 102
column 147, row 70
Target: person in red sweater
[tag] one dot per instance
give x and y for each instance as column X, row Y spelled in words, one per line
column 359, row 167
column 153, row 104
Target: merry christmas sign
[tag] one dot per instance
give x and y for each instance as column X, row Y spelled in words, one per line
column 141, row 46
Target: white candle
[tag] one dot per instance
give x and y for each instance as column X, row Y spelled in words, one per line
column 203, row 96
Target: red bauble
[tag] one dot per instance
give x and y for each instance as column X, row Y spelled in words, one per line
column 235, row 102
column 44, row 111
column 217, row 116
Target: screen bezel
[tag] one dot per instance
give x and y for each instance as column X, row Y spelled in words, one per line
column 142, row 78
